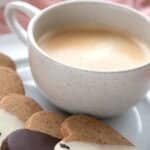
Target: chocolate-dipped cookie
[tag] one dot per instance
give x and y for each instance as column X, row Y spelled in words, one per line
column 29, row 140
column 19, row 105
column 15, row 109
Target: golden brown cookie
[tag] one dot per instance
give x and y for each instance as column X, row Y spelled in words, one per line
column 88, row 129
column 19, row 105
column 46, row 122
column 10, row 82
column 6, row 61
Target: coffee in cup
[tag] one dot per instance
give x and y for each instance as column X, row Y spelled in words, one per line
column 92, row 48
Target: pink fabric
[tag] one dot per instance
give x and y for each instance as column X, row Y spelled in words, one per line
column 142, row 5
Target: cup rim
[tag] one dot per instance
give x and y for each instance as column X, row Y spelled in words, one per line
column 33, row 43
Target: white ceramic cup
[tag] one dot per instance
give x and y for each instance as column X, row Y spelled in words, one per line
column 72, row 89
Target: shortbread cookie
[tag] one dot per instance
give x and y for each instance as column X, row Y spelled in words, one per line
column 46, row 122
column 15, row 109
column 89, row 129
column 6, row 61
column 10, row 82
column 83, row 132
column 29, row 140
column 19, row 105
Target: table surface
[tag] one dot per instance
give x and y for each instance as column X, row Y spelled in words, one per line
column 142, row 5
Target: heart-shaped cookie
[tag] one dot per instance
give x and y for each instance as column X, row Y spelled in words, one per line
column 46, row 122
column 82, row 132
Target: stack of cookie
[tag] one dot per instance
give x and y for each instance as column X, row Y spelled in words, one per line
column 56, row 131
column 25, row 126
column 15, row 107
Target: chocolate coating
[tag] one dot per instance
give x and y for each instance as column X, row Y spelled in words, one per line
column 29, row 140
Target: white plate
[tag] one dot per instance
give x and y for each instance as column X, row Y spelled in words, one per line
column 134, row 124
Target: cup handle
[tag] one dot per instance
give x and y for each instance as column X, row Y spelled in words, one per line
column 12, row 21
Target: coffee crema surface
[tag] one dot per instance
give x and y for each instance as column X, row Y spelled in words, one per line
column 95, row 49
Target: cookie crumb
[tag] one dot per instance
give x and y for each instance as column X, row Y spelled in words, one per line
column 64, row 146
